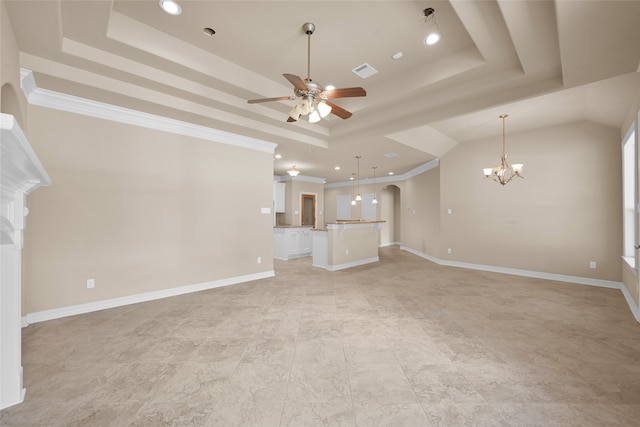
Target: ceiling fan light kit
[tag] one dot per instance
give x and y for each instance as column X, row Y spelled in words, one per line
column 313, row 99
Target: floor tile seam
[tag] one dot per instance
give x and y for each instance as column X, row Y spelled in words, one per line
column 471, row 382
column 293, row 358
column 222, row 393
column 346, row 364
column 415, row 393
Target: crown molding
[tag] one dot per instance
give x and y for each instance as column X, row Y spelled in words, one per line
column 74, row 104
column 432, row 164
column 303, row 178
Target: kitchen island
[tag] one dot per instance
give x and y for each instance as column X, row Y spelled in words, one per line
column 291, row 242
column 346, row 244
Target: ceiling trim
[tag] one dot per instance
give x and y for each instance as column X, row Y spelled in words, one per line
column 86, row 107
column 432, row 164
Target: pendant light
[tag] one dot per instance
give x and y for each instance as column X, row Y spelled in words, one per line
column 353, row 188
column 358, row 197
column 375, row 200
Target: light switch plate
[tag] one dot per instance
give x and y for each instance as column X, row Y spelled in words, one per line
column 265, row 210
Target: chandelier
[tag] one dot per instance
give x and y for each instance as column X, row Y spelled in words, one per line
column 504, row 172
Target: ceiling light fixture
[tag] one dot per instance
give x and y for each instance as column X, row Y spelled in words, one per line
column 171, row 7
column 375, row 200
column 293, row 171
column 504, row 172
column 433, row 31
column 353, row 188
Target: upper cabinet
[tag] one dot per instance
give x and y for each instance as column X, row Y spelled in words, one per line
column 278, row 196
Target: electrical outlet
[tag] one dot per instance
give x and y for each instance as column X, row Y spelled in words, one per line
column 449, row 250
column 259, row 260
column 91, row 283
column 592, row 264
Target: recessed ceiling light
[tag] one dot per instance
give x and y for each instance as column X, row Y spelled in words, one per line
column 431, row 39
column 390, row 173
column 337, row 168
column 397, row 55
column 351, row 178
column 209, row 31
column 171, row 7
column 278, row 156
column 329, row 87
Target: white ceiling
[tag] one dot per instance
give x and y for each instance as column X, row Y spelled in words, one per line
column 541, row 62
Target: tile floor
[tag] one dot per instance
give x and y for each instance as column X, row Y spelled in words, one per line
column 403, row 342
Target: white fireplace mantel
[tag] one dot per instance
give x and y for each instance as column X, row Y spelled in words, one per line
column 21, row 172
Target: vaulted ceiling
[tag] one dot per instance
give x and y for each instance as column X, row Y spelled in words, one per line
column 542, row 62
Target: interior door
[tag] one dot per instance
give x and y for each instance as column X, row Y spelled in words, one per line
column 309, row 210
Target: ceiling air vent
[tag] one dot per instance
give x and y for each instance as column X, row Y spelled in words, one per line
column 365, row 70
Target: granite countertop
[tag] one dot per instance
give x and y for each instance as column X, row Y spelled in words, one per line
column 356, row 221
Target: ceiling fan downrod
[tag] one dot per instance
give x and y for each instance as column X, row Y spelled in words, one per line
column 308, row 29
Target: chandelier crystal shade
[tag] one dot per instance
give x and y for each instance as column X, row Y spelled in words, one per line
column 503, row 172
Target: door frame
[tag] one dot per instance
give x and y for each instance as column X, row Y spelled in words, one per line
column 314, row 198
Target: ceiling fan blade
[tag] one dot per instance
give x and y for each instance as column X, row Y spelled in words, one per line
column 339, row 111
column 345, row 93
column 280, row 98
column 296, row 82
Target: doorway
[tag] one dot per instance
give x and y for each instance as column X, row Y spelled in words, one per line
column 309, row 210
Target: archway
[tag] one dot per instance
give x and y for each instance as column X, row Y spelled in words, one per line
column 391, row 213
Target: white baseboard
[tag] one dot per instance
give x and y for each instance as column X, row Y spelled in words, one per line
column 536, row 274
column 56, row 313
column 384, row 245
column 632, row 304
column 352, row 264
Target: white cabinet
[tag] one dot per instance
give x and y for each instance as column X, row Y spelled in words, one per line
column 305, row 241
column 292, row 242
column 279, row 197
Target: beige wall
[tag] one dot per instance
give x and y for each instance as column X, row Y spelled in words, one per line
column 12, row 100
column 353, row 244
column 139, row 210
column 294, row 190
column 420, row 213
column 565, row 213
column 331, row 204
column 386, row 199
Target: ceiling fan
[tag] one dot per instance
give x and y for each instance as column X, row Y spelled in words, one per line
column 312, row 98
